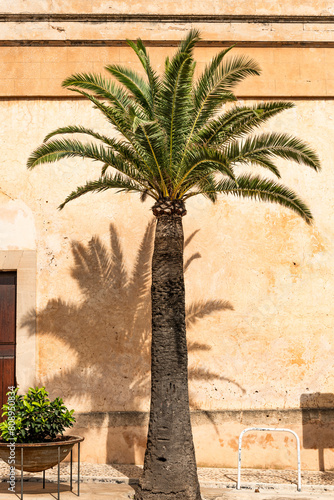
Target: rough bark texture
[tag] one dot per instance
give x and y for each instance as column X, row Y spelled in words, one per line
column 170, row 467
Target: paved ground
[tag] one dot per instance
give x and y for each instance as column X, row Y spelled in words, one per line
column 117, row 482
column 102, row 491
column 207, row 475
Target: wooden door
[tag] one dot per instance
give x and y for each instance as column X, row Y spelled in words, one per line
column 7, row 333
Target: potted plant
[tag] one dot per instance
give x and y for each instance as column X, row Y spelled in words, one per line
column 36, row 425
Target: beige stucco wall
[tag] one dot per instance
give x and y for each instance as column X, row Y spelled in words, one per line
column 39, row 71
column 93, row 326
column 259, row 282
column 282, row 7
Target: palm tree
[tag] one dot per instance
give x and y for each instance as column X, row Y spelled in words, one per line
column 177, row 141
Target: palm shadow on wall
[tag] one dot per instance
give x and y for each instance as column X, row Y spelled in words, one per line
column 107, row 335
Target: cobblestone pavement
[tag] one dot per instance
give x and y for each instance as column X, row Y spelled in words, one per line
column 105, row 473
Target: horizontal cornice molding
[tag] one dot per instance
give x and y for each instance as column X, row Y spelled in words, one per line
column 161, row 18
column 168, row 43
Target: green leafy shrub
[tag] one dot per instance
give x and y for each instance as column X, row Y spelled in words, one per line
column 33, row 418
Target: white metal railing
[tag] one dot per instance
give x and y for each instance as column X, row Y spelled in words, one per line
column 299, row 486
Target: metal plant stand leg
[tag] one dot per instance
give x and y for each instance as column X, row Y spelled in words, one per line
column 22, row 473
column 78, row 469
column 71, row 470
column 58, row 473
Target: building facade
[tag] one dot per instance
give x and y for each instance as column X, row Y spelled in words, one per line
column 259, row 283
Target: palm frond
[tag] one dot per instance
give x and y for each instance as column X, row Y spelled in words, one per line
column 117, row 181
column 235, row 69
column 259, row 189
column 173, row 104
column 134, row 84
column 55, row 150
column 100, row 86
column 78, row 129
column 117, row 116
column 153, row 79
column 199, row 161
column 123, row 148
column 122, row 123
column 238, row 121
column 271, row 145
column 204, row 184
column 175, row 96
column 188, row 43
column 263, row 161
column 209, row 73
column 153, row 140
column 65, row 148
column 216, row 85
column 121, row 109
column 177, row 141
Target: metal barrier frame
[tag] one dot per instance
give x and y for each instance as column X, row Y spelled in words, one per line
column 270, row 429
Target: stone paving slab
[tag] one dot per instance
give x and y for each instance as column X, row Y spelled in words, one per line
column 34, row 491
column 102, row 491
column 118, row 482
column 229, row 494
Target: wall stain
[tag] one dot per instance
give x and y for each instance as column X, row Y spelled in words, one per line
column 266, row 441
column 132, row 437
column 296, row 358
column 233, row 443
column 317, row 243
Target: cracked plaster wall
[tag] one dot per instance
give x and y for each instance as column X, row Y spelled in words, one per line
column 277, row 273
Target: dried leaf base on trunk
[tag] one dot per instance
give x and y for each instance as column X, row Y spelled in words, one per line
column 170, row 466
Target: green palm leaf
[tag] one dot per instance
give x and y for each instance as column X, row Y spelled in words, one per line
column 175, row 97
column 100, row 86
column 200, row 160
column 177, row 140
column 134, row 84
column 214, row 88
column 122, row 122
column 123, row 148
column 55, row 150
column 104, row 183
column 271, row 145
column 153, row 79
column 238, row 121
column 259, row 189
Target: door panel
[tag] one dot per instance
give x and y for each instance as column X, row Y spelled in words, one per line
column 7, row 376
column 7, row 333
column 7, row 307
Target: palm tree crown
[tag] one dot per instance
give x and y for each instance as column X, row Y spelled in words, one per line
column 176, row 140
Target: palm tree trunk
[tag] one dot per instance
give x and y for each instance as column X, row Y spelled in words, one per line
column 170, row 467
